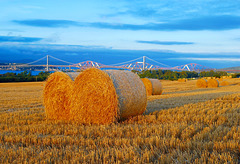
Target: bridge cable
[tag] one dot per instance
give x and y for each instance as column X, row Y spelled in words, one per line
column 157, row 62
column 35, row 61
column 61, row 60
column 126, row 61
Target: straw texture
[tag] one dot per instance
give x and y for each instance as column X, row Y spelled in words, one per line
column 213, row 83
column 202, row 83
column 56, row 96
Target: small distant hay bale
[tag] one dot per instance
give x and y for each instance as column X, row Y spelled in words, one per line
column 213, row 83
column 153, row 86
column 224, row 83
column 208, row 78
column 202, row 83
column 56, row 96
column 224, row 77
column 103, row 97
column 157, row 87
column 182, row 80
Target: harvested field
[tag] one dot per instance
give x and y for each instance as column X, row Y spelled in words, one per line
column 183, row 125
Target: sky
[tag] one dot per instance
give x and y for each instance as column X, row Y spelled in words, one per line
column 174, row 32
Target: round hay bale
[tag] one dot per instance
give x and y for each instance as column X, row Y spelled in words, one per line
column 56, row 96
column 224, row 83
column 213, row 83
column 202, row 83
column 148, row 85
column 103, row 97
column 131, row 93
column 156, row 87
column 153, row 86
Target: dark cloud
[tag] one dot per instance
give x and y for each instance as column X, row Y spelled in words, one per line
column 46, row 23
column 164, row 42
column 224, row 22
column 19, row 39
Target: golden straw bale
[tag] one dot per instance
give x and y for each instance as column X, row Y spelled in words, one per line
column 201, row 83
column 56, row 96
column 213, row 83
column 103, row 97
column 94, row 98
column 224, row 83
column 148, row 85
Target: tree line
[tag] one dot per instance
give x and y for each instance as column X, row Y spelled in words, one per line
column 174, row 75
column 25, row 76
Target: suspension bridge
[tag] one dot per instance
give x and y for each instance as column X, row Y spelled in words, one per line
column 135, row 64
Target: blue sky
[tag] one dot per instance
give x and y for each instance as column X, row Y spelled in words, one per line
column 210, row 28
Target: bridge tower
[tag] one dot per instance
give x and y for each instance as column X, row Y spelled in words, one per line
column 47, row 62
column 144, row 62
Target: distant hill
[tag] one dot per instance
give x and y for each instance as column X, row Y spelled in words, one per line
column 230, row 68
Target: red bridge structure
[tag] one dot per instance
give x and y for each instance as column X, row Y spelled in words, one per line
column 143, row 66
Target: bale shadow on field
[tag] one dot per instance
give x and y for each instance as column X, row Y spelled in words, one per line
column 162, row 104
column 190, row 91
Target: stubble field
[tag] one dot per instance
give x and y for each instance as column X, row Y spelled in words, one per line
column 184, row 125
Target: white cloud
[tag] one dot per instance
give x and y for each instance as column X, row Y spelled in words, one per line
column 211, row 59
